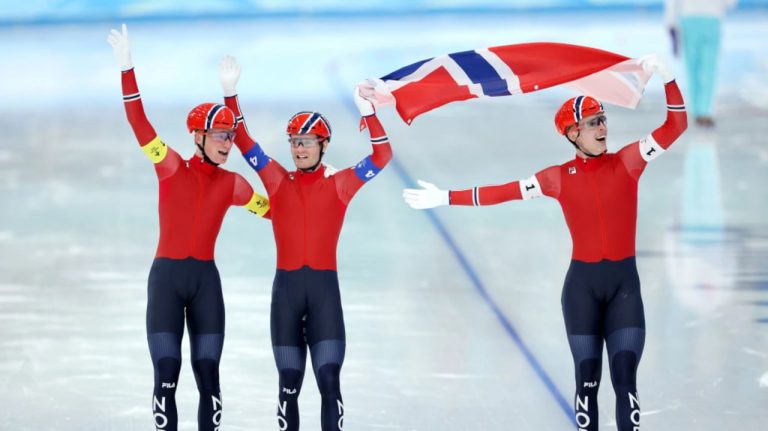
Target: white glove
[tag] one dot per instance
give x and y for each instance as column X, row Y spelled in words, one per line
column 428, row 197
column 329, row 170
column 653, row 64
column 119, row 42
column 229, row 74
column 363, row 105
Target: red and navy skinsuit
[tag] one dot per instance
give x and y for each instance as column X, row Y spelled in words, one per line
column 307, row 211
column 194, row 197
column 601, row 295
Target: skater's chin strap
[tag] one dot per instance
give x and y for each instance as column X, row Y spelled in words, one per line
column 205, row 156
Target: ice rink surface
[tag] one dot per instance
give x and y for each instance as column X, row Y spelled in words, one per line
column 453, row 316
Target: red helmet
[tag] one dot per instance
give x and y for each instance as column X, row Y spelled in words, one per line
column 306, row 122
column 574, row 109
column 210, row 116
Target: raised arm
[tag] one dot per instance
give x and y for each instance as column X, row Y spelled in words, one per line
column 270, row 172
column 636, row 155
column 544, row 183
column 165, row 159
column 349, row 181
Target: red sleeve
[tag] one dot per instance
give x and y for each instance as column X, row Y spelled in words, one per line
column 632, row 159
column 242, row 191
column 270, row 172
column 677, row 119
column 382, row 151
column 243, row 139
column 165, row 159
column 544, row 183
column 549, row 179
column 349, row 181
column 636, row 155
column 243, row 194
column 134, row 109
column 491, row 195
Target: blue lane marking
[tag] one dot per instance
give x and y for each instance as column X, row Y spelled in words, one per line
column 406, row 178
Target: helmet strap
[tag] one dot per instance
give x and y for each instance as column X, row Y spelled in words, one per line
column 205, row 156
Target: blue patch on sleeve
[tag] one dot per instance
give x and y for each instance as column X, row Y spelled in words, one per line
column 366, row 170
column 256, row 158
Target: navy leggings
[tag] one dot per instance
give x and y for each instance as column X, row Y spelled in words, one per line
column 602, row 303
column 177, row 287
column 306, row 311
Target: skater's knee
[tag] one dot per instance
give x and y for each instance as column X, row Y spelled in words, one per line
column 206, row 374
column 290, row 382
column 624, row 368
column 328, row 379
column 166, row 358
column 589, row 373
column 167, row 373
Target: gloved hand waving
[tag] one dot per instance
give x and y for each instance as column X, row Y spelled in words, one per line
column 119, row 42
column 363, row 105
column 653, row 64
column 229, row 74
column 427, row 197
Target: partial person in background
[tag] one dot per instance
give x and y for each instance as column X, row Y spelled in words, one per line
column 194, row 196
column 695, row 26
column 308, row 208
column 597, row 192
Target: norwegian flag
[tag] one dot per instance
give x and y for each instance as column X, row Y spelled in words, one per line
column 506, row 70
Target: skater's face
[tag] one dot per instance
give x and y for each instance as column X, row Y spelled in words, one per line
column 218, row 143
column 591, row 134
column 306, row 149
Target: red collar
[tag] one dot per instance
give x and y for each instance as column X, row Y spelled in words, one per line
column 201, row 165
column 590, row 163
column 310, row 177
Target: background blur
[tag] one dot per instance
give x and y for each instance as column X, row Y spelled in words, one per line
column 453, row 316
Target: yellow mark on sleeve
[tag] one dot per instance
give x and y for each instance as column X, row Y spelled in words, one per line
column 155, row 150
column 258, row 205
